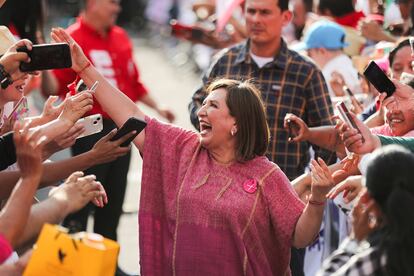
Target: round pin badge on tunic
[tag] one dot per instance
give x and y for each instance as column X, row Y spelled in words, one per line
column 250, row 185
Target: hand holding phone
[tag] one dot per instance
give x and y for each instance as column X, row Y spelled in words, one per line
column 345, row 116
column 379, row 79
column 130, row 125
column 92, row 124
column 46, row 57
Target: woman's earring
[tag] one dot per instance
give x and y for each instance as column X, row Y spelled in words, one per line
column 233, row 131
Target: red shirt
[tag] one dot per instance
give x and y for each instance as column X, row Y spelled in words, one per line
column 350, row 19
column 112, row 57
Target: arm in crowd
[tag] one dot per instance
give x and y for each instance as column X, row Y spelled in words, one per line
column 310, row 220
column 319, row 111
column 302, row 184
column 110, row 98
column 322, row 136
column 103, row 151
column 63, row 200
column 14, row 215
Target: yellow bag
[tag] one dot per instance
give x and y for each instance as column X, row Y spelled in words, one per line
column 83, row 254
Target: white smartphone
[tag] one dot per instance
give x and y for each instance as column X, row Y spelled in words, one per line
column 92, row 124
column 340, row 202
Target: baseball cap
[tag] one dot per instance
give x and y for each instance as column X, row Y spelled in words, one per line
column 323, row 34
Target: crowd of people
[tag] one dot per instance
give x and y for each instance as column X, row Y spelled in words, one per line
column 274, row 179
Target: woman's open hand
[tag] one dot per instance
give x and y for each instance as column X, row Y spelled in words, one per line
column 322, row 181
column 79, row 60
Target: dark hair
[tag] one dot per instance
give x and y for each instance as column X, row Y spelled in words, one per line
column 400, row 45
column 337, row 8
column 283, row 4
column 246, row 106
column 389, row 180
column 28, row 20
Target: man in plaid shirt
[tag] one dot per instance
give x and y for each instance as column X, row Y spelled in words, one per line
column 289, row 82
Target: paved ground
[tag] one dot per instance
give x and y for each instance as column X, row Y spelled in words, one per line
column 172, row 85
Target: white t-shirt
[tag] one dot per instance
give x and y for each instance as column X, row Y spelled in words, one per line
column 343, row 65
column 261, row 61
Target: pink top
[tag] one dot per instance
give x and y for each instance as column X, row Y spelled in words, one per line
column 5, row 249
column 198, row 217
column 387, row 131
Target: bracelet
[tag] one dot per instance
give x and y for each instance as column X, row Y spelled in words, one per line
column 84, row 68
column 318, row 203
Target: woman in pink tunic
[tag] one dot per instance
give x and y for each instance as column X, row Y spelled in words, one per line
column 211, row 202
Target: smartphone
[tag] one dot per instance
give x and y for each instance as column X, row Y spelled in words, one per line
column 290, row 130
column 345, row 116
column 348, row 91
column 180, row 30
column 46, row 57
column 130, row 125
column 379, row 79
column 16, row 106
column 340, row 202
column 92, row 124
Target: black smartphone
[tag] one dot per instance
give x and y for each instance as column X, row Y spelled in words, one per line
column 290, row 130
column 46, row 57
column 130, row 125
column 379, row 79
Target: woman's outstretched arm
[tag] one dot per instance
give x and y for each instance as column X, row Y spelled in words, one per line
column 114, row 102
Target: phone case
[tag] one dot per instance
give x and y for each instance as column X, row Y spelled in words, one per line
column 130, row 125
column 379, row 79
column 46, row 57
column 92, row 124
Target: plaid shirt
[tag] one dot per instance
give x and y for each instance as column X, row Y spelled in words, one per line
column 289, row 84
column 353, row 259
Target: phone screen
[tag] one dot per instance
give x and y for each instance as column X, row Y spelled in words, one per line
column 46, row 57
column 379, row 79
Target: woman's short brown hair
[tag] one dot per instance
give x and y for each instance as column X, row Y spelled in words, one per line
column 245, row 104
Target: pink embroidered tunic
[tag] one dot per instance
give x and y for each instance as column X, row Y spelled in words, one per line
column 199, row 217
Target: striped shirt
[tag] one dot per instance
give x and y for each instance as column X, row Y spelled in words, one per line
column 289, row 84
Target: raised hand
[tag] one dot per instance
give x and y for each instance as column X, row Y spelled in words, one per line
column 106, row 150
column 352, row 139
column 79, row 60
column 78, row 190
column 350, row 186
column 29, row 148
column 76, row 106
column 11, row 59
column 298, row 127
column 50, row 111
column 322, row 181
column 64, row 141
